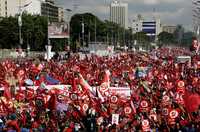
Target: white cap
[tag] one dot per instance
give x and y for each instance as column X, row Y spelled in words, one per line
column 1, row 121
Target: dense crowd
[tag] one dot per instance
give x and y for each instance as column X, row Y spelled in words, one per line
column 164, row 93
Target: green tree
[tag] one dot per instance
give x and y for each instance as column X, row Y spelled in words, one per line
column 8, row 33
column 34, row 32
column 105, row 30
column 178, row 34
column 187, row 39
column 141, row 37
column 166, row 38
column 58, row 44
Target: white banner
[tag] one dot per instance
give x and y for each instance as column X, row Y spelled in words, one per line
column 122, row 91
column 49, row 87
column 115, row 119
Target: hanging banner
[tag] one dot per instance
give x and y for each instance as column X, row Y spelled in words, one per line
column 58, row 30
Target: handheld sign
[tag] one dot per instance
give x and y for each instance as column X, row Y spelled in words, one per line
column 183, row 59
column 115, row 119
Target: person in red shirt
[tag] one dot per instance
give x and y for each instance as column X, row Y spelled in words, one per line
column 12, row 124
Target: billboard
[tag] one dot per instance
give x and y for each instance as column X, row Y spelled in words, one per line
column 58, row 30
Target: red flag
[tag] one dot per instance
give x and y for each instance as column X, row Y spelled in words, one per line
column 86, row 86
column 133, row 107
column 7, row 93
column 100, row 96
column 52, row 102
column 104, row 87
column 20, row 96
column 29, row 93
column 74, row 86
column 106, row 78
column 192, row 102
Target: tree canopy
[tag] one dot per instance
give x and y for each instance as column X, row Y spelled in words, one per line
column 167, row 38
column 34, row 32
column 179, row 37
column 106, row 31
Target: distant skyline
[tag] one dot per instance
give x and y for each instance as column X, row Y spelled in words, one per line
column 171, row 12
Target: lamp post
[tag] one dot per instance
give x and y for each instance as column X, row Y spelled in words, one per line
column 20, row 22
column 83, row 27
column 68, row 23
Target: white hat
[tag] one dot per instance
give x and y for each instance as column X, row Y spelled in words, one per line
column 1, row 121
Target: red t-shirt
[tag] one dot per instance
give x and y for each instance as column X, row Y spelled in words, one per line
column 13, row 125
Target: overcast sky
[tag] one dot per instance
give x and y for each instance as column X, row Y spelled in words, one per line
column 171, row 12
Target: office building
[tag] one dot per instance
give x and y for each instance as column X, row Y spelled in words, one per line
column 151, row 27
column 11, row 7
column 37, row 7
column 119, row 13
column 169, row 28
column 50, row 10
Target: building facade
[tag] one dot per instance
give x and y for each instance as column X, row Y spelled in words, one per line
column 50, row 10
column 60, row 14
column 119, row 13
column 9, row 7
column 169, row 29
column 152, row 27
column 35, row 7
column 12, row 7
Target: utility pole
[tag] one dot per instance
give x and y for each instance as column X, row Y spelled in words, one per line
column 48, row 46
column 107, row 39
column 68, row 24
column 20, row 24
column 82, row 24
column 89, row 37
column 124, row 36
column 95, row 30
column 20, row 21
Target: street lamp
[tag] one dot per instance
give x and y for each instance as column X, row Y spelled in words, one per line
column 83, row 27
column 68, row 22
column 20, row 22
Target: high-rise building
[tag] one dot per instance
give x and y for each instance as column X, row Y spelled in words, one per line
column 39, row 7
column 152, row 27
column 50, row 10
column 119, row 13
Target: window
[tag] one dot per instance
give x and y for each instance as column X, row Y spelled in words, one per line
column 6, row 6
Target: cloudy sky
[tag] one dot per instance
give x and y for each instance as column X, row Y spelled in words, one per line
column 171, row 12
